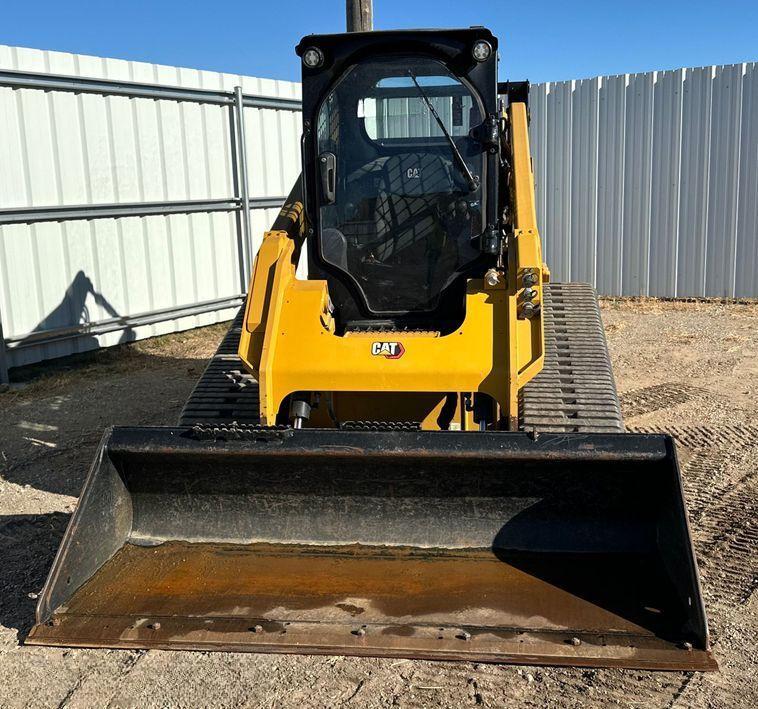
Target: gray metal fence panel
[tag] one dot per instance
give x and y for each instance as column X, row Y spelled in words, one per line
column 747, row 214
column 557, row 180
column 695, row 169
column 721, row 236
column 538, row 143
column 664, row 191
column 610, row 184
column 637, row 187
column 156, row 176
column 647, row 184
column 584, row 171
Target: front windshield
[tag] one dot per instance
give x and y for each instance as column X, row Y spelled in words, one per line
column 399, row 209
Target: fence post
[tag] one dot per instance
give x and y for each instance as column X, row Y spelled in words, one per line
column 244, row 188
column 3, row 359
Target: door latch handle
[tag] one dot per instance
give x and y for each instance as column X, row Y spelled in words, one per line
column 328, row 166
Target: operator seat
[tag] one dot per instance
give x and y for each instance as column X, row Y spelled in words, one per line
column 408, row 205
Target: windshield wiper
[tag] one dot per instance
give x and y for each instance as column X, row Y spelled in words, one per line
column 473, row 180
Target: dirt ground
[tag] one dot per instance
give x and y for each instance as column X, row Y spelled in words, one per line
column 691, row 368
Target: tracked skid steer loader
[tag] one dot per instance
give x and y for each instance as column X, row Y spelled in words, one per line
column 416, row 452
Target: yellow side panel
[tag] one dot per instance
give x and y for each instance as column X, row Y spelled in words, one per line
column 300, row 351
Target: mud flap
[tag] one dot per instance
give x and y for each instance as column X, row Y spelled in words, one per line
column 491, row 547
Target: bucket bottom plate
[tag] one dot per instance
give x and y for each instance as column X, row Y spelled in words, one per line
column 603, row 610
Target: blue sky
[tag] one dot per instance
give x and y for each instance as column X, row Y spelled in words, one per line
column 541, row 41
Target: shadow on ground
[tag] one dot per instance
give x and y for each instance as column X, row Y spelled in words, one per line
column 28, row 544
column 51, row 426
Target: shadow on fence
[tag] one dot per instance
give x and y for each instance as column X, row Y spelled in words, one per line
column 74, row 311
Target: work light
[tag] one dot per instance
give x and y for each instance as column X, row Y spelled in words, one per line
column 313, row 57
column 481, row 50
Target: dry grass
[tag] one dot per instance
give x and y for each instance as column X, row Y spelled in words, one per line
column 60, row 375
column 652, row 305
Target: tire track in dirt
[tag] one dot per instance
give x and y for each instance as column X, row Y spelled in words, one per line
column 721, row 488
column 655, row 398
column 697, row 437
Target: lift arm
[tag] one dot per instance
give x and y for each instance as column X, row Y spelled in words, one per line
column 526, row 271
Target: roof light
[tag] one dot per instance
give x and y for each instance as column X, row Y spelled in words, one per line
column 481, row 50
column 313, row 57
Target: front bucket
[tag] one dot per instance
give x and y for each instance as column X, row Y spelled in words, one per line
column 494, row 547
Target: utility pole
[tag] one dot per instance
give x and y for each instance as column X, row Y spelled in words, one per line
column 360, row 15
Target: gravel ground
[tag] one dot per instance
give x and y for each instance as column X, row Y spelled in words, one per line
column 690, row 368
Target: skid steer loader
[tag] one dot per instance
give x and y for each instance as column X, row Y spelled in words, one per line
column 416, row 452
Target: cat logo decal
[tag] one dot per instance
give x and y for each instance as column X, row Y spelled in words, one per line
column 390, row 350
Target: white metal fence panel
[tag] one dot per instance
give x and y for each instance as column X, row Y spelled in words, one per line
column 647, row 184
column 64, row 148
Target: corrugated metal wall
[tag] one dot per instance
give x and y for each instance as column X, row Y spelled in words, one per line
column 65, row 148
column 647, row 184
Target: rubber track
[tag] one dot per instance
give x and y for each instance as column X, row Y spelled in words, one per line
column 575, row 392
column 226, row 392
